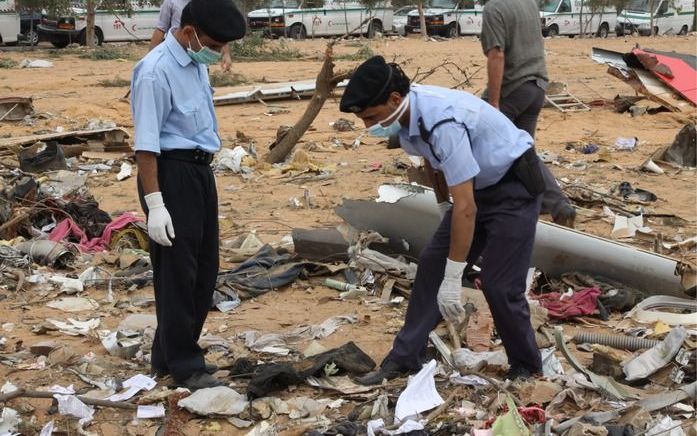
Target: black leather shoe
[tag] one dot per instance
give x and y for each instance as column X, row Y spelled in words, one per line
column 159, row 373
column 200, row 380
column 565, row 216
column 388, row 371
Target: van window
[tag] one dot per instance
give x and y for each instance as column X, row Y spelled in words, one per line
column 638, row 6
column 663, row 8
column 565, row 6
column 467, row 4
column 444, row 4
column 311, row 4
column 549, row 5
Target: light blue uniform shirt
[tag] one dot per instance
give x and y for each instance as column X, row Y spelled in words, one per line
column 172, row 102
column 496, row 141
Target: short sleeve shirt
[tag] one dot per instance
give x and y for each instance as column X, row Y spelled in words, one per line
column 172, row 102
column 514, row 27
column 481, row 143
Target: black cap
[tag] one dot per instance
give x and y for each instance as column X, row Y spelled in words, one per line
column 219, row 19
column 368, row 84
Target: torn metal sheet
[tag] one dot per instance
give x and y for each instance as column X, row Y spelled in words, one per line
column 111, row 139
column 278, row 91
column 15, row 108
column 677, row 311
column 639, row 79
column 408, row 216
column 675, row 70
column 606, row 385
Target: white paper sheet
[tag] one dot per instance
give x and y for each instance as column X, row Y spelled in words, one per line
column 150, row 412
column 420, row 394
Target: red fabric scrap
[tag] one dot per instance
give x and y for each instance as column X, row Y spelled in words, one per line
column 68, row 228
column 583, row 302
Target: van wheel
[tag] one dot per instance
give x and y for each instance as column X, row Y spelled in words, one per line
column 32, row 37
column 453, row 30
column 98, row 37
column 553, row 31
column 297, row 31
column 683, row 31
column 603, row 31
column 374, row 28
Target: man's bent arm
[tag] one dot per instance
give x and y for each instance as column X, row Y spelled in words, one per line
column 157, row 37
column 463, row 220
column 494, row 66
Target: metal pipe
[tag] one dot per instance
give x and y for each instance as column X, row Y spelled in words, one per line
column 621, row 342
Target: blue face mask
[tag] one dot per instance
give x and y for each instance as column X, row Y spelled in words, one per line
column 382, row 131
column 205, row 55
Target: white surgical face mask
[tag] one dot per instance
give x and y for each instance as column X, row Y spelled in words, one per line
column 382, row 131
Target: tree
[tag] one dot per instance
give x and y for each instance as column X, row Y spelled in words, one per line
column 422, row 21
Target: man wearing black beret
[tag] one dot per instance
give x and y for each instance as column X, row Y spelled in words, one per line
column 475, row 154
column 176, row 135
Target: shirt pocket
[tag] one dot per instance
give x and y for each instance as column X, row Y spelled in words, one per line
column 192, row 118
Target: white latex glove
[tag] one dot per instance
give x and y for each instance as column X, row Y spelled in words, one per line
column 443, row 208
column 450, row 292
column 159, row 222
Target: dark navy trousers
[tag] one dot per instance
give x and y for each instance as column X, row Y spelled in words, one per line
column 184, row 274
column 504, row 236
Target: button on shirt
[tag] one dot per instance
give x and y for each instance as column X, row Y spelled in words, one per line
column 172, row 102
column 496, row 141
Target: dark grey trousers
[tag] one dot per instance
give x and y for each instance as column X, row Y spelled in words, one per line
column 523, row 107
column 504, row 235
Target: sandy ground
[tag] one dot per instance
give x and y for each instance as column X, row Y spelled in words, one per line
column 70, row 94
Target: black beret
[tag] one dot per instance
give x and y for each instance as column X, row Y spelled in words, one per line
column 219, row 19
column 367, row 85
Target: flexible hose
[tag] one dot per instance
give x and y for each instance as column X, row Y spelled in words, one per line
column 630, row 343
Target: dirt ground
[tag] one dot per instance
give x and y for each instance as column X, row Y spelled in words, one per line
column 70, row 93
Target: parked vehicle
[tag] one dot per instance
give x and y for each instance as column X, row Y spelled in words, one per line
column 9, row 22
column 449, row 18
column 29, row 27
column 333, row 18
column 136, row 24
column 670, row 16
column 563, row 17
column 399, row 21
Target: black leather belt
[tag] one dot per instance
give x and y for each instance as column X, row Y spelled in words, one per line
column 196, row 156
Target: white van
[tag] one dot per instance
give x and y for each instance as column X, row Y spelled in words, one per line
column 670, row 16
column 449, row 18
column 9, row 22
column 333, row 18
column 110, row 25
column 563, row 17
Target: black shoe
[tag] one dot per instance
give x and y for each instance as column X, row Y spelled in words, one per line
column 159, row 373
column 200, row 380
column 519, row 373
column 565, row 216
column 388, row 371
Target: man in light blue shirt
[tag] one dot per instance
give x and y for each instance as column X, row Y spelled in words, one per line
column 176, row 134
column 474, row 153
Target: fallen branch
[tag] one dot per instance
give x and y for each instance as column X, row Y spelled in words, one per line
column 324, row 86
column 23, row 393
